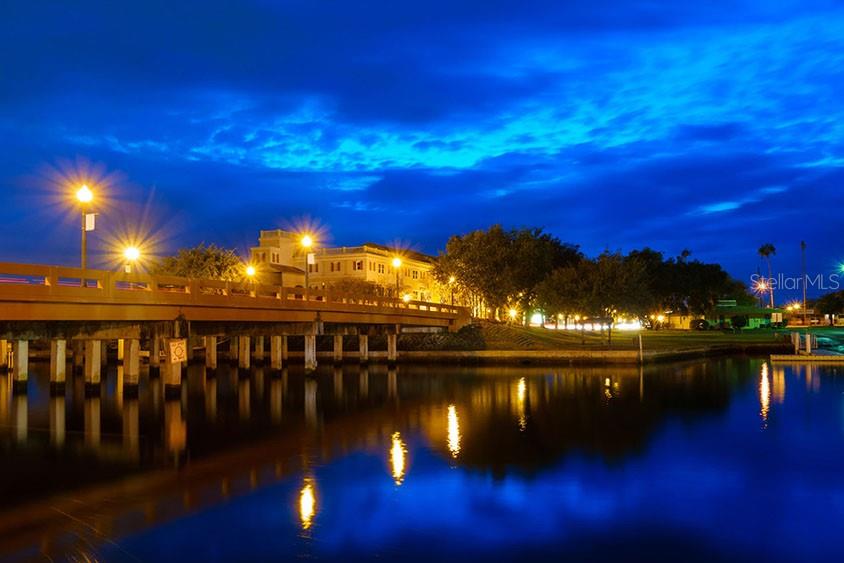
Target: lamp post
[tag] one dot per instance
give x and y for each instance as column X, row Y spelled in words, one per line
column 84, row 195
column 451, row 280
column 307, row 243
column 396, row 267
column 803, row 264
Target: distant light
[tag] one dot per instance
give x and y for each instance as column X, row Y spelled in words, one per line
column 84, row 194
column 396, row 262
column 660, row 318
column 536, row 319
column 250, row 271
column 406, row 298
column 132, row 254
column 452, row 279
column 513, row 313
column 307, row 241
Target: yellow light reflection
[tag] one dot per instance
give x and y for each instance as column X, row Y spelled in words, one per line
column 453, row 432
column 307, row 504
column 398, row 454
column 764, row 395
column 521, row 394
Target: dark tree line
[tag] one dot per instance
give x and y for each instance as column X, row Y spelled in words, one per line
column 527, row 269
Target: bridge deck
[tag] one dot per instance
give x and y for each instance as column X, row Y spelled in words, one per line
column 51, row 293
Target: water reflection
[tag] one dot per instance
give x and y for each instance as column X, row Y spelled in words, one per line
column 764, row 395
column 231, row 440
column 57, row 421
column 521, row 395
column 307, row 504
column 453, row 432
column 398, row 455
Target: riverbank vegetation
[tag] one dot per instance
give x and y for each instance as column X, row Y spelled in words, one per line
column 512, row 274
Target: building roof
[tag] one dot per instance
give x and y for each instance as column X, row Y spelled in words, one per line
column 281, row 268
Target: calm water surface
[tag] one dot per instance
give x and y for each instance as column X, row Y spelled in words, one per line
column 730, row 460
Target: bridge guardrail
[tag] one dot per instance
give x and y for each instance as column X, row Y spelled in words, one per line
column 32, row 282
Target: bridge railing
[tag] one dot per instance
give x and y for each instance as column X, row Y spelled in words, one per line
column 34, row 282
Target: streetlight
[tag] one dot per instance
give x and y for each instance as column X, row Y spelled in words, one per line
column 396, row 266
column 307, row 242
column 451, row 280
column 132, row 255
column 250, row 271
column 85, row 196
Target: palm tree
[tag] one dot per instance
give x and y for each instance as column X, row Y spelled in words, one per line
column 765, row 252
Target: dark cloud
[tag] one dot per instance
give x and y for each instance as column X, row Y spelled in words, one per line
column 709, row 125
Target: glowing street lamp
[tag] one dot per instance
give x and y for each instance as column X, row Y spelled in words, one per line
column 132, row 254
column 396, row 267
column 451, row 281
column 307, row 242
column 250, row 271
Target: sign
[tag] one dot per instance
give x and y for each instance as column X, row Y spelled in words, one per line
column 178, row 350
column 90, row 222
column 311, row 258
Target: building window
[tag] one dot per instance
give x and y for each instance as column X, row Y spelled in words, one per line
column 415, row 274
column 357, row 265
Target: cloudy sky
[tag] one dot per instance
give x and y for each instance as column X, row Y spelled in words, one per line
column 713, row 126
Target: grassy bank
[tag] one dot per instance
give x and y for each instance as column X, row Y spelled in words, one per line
column 498, row 337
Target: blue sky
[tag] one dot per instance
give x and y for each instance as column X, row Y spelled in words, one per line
column 712, row 126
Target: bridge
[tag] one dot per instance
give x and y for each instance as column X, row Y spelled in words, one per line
column 88, row 309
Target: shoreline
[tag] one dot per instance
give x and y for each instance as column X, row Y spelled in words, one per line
column 559, row 357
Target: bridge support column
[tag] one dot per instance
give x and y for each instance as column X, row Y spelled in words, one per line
column 172, row 375
column 243, row 356
column 58, row 366
column 310, row 352
column 363, row 344
column 4, row 355
column 211, row 352
column 93, row 366
column 338, row 349
column 392, row 349
column 276, row 352
column 131, row 366
column 21, row 366
column 121, row 349
column 259, row 350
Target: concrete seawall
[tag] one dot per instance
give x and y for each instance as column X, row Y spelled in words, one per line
column 561, row 357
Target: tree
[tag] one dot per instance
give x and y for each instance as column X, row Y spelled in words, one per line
column 203, row 262
column 765, row 252
column 831, row 304
column 503, row 268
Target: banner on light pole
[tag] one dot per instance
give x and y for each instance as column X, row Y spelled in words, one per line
column 90, row 222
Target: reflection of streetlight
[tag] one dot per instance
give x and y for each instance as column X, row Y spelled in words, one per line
column 397, row 458
column 396, row 266
column 307, row 243
column 453, row 431
column 132, row 255
column 307, row 504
